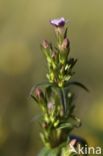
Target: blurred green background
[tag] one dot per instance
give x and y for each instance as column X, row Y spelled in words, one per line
column 23, row 26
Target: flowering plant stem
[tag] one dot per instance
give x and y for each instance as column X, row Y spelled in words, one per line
column 55, row 97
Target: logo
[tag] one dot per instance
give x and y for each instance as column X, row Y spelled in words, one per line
column 85, row 150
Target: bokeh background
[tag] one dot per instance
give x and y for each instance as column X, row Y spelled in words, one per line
column 23, row 26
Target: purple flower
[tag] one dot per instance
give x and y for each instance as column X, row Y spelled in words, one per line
column 59, row 22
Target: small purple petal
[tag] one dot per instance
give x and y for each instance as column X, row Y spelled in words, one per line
column 59, row 22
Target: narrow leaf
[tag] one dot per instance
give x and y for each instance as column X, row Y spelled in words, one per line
column 65, row 33
column 65, row 125
column 34, row 98
column 78, row 84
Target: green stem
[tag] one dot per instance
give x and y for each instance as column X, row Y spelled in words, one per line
column 62, row 93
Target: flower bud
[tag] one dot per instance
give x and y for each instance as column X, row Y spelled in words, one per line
column 38, row 93
column 73, row 142
column 45, row 44
column 65, row 43
column 54, row 55
column 44, row 125
column 50, row 106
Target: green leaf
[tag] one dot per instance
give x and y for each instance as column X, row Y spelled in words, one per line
column 44, row 152
column 48, row 92
column 50, row 152
column 34, row 98
column 77, row 84
column 72, row 62
column 63, row 98
column 65, row 33
column 66, row 151
column 65, row 125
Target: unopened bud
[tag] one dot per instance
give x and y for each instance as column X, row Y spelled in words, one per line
column 73, row 142
column 44, row 125
column 65, row 43
column 38, row 93
column 54, row 55
column 50, row 106
column 45, row 44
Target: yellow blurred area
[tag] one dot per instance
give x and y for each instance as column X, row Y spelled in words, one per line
column 15, row 57
column 23, row 26
column 96, row 115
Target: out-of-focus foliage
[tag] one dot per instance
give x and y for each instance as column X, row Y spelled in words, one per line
column 23, row 25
